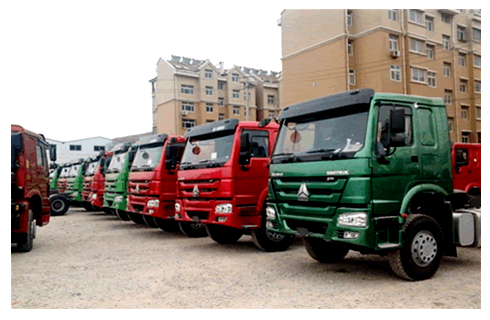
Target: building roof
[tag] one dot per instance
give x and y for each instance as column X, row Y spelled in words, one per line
column 131, row 138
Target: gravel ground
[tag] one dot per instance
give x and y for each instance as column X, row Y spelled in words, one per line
column 93, row 260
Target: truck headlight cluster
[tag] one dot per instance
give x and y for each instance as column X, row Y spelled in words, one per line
column 153, row 203
column 224, row 208
column 118, row 199
column 94, row 196
column 270, row 212
column 352, row 219
column 177, row 207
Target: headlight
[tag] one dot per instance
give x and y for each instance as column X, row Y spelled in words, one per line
column 94, row 196
column 177, row 207
column 153, row 203
column 118, row 199
column 270, row 213
column 352, row 219
column 224, row 208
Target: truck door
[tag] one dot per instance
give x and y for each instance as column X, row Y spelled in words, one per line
column 252, row 180
column 462, row 168
column 393, row 168
column 42, row 173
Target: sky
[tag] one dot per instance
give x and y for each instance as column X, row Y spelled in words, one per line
column 81, row 69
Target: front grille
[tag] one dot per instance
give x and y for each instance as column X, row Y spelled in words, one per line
column 201, row 215
column 138, row 207
column 311, row 226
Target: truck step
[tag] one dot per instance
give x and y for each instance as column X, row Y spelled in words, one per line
column 388, row 245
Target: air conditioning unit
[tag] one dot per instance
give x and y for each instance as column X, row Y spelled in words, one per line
column 395, row 53
column 184, row 113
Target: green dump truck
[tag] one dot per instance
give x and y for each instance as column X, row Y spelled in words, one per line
column 369, row 172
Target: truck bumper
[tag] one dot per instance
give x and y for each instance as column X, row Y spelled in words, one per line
column 115, row 201
column 97, row 199
column 17, row 212
column 139, row 204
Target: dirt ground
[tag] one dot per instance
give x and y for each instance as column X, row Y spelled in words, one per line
column 93, row 260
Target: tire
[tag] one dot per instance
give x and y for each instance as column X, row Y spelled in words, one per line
column 422, row 250
column 223, row 234
column 107, row 210
column 270, row 241
column 97, row 209
column 87, row 206
column 136, row 218
column 149, row 220
column 167, row 224
column 28, row 243
column 193, row 229
column 59, row 205
column 325, row 251
column 123, row 215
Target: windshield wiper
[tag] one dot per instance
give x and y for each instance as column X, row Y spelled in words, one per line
column 282, row 154
column 204, row 161
column 320, row 150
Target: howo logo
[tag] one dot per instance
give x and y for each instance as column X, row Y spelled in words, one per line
column 303, row 194
column 195, row 191
column 137, row 188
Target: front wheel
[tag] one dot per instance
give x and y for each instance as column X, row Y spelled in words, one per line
column 167, row 224
column 123, row 215
column 149, row 220
column 87, row 206
column 27, row 243
column 136, row 218
column 325, row 252
column 59, row 205
column 421, row 254
column 223, row 234
column 193, row 229
column 271, row 241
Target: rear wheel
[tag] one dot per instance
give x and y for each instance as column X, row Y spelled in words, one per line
column 193, row 229
column 123, row 215
column 167, row 224
column 325, row 252
column 271, row 241
column 27, row 243
column 421, row 254
column 136, row 218
column 223, row 234
column 59, row 205
column 149, row 220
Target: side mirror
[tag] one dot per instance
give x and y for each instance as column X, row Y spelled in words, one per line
column 171, row 164
column 52, row 152
column 264, row 122
column 397, row 127
column 245, row 154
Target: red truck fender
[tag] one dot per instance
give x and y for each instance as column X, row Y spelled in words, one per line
column 262, row 198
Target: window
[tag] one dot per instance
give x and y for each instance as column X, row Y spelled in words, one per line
column 478, row 113
column 430, row 52
column 450, row 122
column 271, row 114
column 39, row 156
column 461, row 32
column 429, row 23
column 188, row 106
column 427, row 131
column 188, row 123
column 235, row 77
column 236, row 110
column 465, row 138
column 383, row 134
column 349, row 17
column 393, row 42
column 221, row 116
column 350, row 48
column 448, row 95
column 445, row 42
column 479, row 136
column 186, row 89
column 431, row 79
column 75, row 147
column 209, row 121
column 416, row 16
column 209, row 107
column 236, row 94
column 221, row 86
column 221, row 102
column 464, row 112
column 477, row 61
column 245, row 95
column 395, row 73
column 208, row 74
column 418, row 74
column 270, row 99
column 209, row 91
column 99, row 148
column 463, row 85
column 477, row 86
column 392, row 14
column 462, row 59
column 476, row 34
column 446, row 69
column 352, row 77
column 259, row 146
column 416, row 45
column 445, row 18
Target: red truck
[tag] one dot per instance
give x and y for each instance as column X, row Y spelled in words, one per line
column 152, row 182
column 466, row 158
column 93, row 182
column 223, row 180
column 29, row 177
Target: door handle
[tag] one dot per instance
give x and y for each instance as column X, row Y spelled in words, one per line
column 415, row 159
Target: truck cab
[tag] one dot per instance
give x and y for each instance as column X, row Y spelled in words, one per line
column 97, row 186
column 152, row 185
column 466, row 164
column 74, row 185
column 63, row 177
column 222, row 183
column 92, row 165
column 29, row 176
column 369, row 172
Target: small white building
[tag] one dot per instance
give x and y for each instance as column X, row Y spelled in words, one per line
column 75, row 149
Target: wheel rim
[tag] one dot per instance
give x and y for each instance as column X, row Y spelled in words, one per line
column 274, row 236
column 33, row 228
column 424, row 248
column 58, row 205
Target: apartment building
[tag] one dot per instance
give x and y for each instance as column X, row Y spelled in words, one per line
column 188, row 92
column 434, row 53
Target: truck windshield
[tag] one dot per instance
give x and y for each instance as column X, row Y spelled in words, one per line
column 91, row 168
column 116, row 163
column 147, row 158
column 74, row 170
column 207, row 152
column 65, row 173
column 336, row 133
